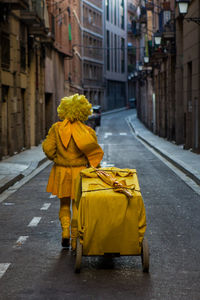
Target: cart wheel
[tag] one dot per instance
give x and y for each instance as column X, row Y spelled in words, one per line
column 79, row 248
column 145, row 256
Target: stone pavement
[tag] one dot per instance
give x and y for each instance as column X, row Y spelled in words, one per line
column 185, row 160
column 24, row 163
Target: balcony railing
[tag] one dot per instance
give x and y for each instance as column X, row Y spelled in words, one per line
column 36, row 17
column 149, row 5
column 92, row 26
column 93, row 53
column 93, row 82
column 131, row 8
column 16, row 4
column 143, row 15
column 134, row 28
column 169, row 31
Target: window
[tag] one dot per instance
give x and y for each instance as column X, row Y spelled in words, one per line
column 107, row 10
column 122, row 56
column 22, row 56
column 22, row 48
column 115, row 12
column 108, row 49
column 112, row 51
column 5, row 50
column 4, row 91
column 189, row 86
column 122, row 13
column 53, row 25
column 115, row 53
column 111, row 10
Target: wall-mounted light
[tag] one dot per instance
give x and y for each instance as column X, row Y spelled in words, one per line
column 183, row 6
column 183, row 10
column 157, row 38
column 140, row 68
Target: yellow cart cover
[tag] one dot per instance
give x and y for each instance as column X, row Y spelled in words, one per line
column 109, row 221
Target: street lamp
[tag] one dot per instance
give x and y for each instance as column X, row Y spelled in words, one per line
column 183, row 10
column 183, row 6
column 140, row 67
column 157, row 38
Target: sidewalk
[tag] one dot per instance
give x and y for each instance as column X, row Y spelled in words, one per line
column 23, row 164
column 185, row 160
column 20, row 165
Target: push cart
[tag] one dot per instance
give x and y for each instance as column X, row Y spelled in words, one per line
column 111, row 215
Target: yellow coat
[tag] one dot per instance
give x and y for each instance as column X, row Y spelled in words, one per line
column 72, row 147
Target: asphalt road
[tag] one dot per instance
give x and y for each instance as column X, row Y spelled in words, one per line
column 34, row 266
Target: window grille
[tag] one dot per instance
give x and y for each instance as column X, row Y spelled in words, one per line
column 5, row 50
column 4, row 91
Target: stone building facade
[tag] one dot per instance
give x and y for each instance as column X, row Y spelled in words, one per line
column 92, row 41
column 63, row 62
column 171, row 106
column 188, row 79
column 22, row 63
column 116, row 53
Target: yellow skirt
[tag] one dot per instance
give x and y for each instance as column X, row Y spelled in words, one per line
column 62, row 179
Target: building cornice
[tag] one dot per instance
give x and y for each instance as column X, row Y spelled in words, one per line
column 93, row 6
column 92, row 32
column 85, row 58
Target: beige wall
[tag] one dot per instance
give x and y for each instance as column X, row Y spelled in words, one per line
column 22, row 112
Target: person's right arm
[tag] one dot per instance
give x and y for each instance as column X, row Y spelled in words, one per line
column 49, row 145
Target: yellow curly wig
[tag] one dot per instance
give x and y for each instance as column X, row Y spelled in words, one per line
column 74, row 108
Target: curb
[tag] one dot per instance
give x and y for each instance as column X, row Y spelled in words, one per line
column 33, row 166
column 113, row 111
column 11, row 182
column 175, row 163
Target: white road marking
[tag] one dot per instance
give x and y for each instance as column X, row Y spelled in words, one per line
column 105, row 164
column 107, row 134
column 45, row 206
column 34, row 222
column 21, row 240
column 3, row 268
column 52, row 196
column 123, row 133
column 8, row 203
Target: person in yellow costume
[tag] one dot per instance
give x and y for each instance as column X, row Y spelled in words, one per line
column 72, row 146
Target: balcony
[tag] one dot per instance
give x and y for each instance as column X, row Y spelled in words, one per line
column 129, row 28
column 149, row 5
column 90, row 25
column 143, row 15
column 34, row 13
column 169, row 31
column 132, row 8
column 134, row 28
column 93, row 82
column 157, row 54
column 15, row 4
column 131, row 50
column 166, row 6
column 36, row 17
